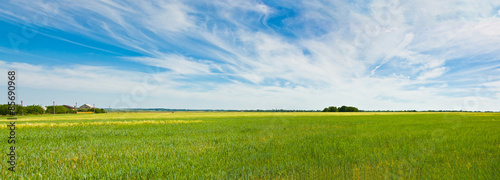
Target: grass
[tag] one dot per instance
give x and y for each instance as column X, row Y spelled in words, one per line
column 241, row 145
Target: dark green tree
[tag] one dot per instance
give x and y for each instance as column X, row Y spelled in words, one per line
column 333, row 109
column 97, row 110
column 341, row 109
column 348, row 109
column 33, row 109
column 4, row 109
column 59, row 110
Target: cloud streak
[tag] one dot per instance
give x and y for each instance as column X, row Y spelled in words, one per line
column 386, row 54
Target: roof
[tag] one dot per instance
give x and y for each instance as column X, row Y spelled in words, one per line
column 86, row 106
column 69, row 107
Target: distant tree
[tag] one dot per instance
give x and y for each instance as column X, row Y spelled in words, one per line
column 100, row 110
column 33, row 109
column 82, row 110
column 341, row 109
column 333, row 109
column 345, row 109
column 19, row 109
column 4, row 109
column 97, row 110
column 59, row 110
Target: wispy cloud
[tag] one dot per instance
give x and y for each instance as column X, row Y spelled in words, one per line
column 382, row 54
column 178, row 64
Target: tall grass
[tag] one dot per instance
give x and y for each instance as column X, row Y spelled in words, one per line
column 256, row 146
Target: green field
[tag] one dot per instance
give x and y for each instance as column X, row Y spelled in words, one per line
column 238, row 145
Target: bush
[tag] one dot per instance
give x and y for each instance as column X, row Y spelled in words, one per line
column 331, row 109
column 4, row 109
column 59, row 110
column 341, row 109
column 97, row 110
column 33, row 109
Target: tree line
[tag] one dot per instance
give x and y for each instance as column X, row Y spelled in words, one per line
column 341, row 109
column 37, row 110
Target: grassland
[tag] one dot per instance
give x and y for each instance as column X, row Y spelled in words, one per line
column 255, row 146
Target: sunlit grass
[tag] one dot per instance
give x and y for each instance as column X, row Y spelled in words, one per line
column 234, row 145
column 83, row 123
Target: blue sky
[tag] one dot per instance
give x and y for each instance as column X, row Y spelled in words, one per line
column 381, row 54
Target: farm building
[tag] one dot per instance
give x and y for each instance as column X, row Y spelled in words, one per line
column 69, row 107
column 86, row 106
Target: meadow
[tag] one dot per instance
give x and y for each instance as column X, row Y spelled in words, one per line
column 253, row 145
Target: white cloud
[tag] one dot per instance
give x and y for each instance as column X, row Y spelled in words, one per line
column 489, row 27
column 75, row 78
column 123, row 23
column 434, row 73
column 328, row 52
column 163, row 16
column 177, row 63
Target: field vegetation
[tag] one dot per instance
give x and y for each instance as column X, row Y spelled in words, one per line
column 252, row 145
